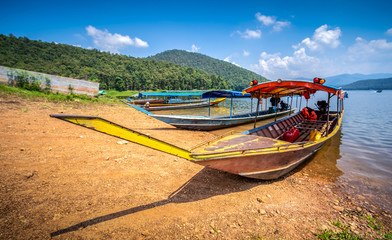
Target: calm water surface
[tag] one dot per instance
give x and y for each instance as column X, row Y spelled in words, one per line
column 358, row 158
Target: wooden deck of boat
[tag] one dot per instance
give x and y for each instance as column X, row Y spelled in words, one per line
column 240, row 142
column 270, row 135
column 305, row 127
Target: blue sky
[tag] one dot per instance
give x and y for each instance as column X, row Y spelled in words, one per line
column 277, row 39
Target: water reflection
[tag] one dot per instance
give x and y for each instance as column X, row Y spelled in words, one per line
column 323, row 165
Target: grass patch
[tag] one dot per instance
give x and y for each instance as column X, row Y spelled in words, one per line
column 121, row 95
column 344, row 232
column 56, row 97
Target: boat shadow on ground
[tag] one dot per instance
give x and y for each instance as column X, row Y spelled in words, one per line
column 205, row 184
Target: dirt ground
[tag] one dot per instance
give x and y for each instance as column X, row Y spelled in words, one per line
column 62, row 181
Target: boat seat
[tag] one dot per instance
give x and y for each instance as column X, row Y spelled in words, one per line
column 306, row 127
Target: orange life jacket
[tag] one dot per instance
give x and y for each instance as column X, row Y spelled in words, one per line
column 305, row 112
column 313, row 116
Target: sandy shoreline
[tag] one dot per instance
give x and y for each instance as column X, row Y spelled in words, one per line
column 63, row 181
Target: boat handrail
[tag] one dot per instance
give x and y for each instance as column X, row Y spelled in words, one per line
column 253, row 149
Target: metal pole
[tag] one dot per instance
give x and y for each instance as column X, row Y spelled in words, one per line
column 300, row 103
column 209, row 105
column 337, row 105
column 276, row 107
column 231, row 107
column 257, row 111
column 257, row 108
column 291, row 103
column 329, row 96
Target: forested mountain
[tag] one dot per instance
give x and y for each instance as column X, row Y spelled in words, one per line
column 238, row 78
column 344, row 79
column 371, row 84
column 112, row 71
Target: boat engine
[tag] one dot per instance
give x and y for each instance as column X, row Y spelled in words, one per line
column 284, row 105
column 322, row 106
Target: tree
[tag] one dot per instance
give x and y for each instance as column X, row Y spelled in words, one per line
column 119, row 84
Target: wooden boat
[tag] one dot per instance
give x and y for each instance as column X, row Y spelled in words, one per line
column 266, row 152
column 207, row 123
column 173, row 101
column 144, row 101
column 181, row 105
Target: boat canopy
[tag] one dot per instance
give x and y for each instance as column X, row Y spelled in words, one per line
column 224, row 93
column 182, row 94
column 290, row 88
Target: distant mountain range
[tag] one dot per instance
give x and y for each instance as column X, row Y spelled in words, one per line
column 370, row 84
column 346, row 79
column 237, row 78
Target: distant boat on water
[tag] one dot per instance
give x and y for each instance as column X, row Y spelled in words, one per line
column 379, row 91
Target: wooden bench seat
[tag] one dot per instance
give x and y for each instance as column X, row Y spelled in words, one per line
column 305, row 127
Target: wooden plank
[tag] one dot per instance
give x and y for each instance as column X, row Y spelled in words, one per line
column 272, row 131
column 266, row 132
column 304, row 135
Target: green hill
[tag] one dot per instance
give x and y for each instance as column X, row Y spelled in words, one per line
column 112, row 71
column 370, row 84
column 238, row 78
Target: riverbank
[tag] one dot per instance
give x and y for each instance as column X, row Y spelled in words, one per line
column 63, row 181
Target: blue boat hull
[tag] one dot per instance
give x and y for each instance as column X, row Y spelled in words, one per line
column 205, row 123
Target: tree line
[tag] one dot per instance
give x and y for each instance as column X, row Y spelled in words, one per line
column 370, row 84
column 112, row 71
column 238, row 78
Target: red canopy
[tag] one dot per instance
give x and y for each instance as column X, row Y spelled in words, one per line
column 289, row 88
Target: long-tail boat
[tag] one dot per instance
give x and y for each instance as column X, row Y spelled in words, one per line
column 172, row 101
column 208, row 123
column 266, row 152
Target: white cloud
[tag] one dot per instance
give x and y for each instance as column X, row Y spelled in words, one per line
column 248, row 34
column 271, row 21
column 194, row 48
column 389, row 32
column 374, row 50
column 266, row 20
column 107, row 41
column 365, row 56
column 279, row 25
column 227, row 59
column 140, row 43
column 273, row 66
column 246, row 53
column 321, row 38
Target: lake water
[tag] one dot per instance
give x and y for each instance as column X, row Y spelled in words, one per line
column 358, row 159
